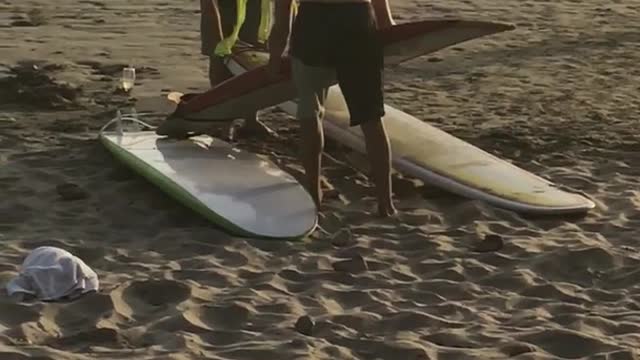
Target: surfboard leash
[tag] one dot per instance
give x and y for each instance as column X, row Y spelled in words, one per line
column 132, row 117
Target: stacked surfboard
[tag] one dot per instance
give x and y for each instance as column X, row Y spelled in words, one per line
column 253, row 88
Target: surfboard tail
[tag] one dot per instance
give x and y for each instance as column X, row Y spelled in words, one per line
column 407, row 41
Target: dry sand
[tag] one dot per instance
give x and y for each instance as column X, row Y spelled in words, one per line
column 558, row 96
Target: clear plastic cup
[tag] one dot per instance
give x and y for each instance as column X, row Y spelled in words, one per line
column 128, row 78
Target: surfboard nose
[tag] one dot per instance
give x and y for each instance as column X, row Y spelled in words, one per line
column 474, row 28
column 410, row 40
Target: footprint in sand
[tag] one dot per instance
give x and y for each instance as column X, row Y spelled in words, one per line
column 566, row 343
column 206, row 319
column 103, row 337
column 84, row 313
column 221, row 317
column 157, row 293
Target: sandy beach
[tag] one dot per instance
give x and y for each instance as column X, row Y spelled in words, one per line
column 559, row 96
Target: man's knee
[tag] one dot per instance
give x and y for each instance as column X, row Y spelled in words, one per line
column 310, row 108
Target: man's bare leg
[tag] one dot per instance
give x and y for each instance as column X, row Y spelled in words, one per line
column 312, row 138
column 379, row 154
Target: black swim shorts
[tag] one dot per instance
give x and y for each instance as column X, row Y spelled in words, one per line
column 342, row 37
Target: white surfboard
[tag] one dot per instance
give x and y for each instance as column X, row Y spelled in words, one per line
column 242, row 192
column 438, row 158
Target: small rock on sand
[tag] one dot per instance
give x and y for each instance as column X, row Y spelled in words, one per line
column 305, row 325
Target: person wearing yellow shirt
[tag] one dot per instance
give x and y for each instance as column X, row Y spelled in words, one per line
column 223, row 24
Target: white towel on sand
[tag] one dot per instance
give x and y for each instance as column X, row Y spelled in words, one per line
column 50, row 273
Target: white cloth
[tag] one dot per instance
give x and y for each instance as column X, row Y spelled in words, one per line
column 50, row 273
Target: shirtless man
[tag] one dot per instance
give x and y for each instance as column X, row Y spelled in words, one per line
column 218, row 20
column 337, row 39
